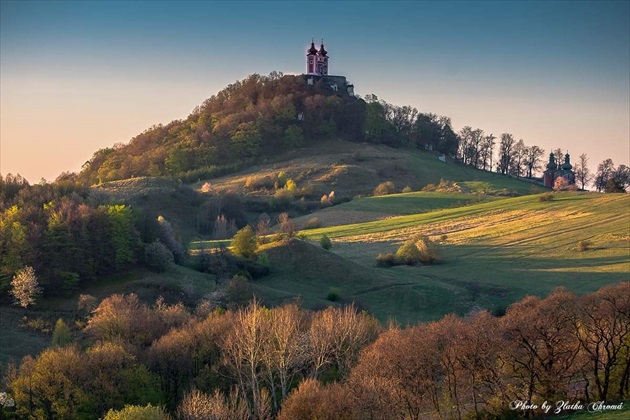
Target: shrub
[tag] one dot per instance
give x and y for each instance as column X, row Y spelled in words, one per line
column 584, row 245
column 545, row 197
column 325, row 242
column 157, row 256
column 386, row 260
column 384, row 188
column 408, row 253
column 313, row 223
column 334, row 294
column 206, row 188
column 429, row 252
column 244, row 243
column 291, row 185
column 407, row 189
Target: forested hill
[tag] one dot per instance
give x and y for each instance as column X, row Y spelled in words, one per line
column 257, row 118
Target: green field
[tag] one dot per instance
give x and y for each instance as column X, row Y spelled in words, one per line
column 496, row 252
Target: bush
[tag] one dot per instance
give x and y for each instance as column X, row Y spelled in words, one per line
column 545, row 197
column 244, row 243
column 386, row 260
column 157, row 256
column 408, row 253
column 61, row 334
column 325, row 242
column 286, row 225
column 313, row 223
column 384, row 188
column 407, row 189
column 584, row 245
column 334, row 294
column 429, row 252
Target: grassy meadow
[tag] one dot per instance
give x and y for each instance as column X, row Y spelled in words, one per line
column 496, row 252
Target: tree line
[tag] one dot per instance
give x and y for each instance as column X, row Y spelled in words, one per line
column 291, row 363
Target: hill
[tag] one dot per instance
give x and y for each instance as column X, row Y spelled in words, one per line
column 496, row 253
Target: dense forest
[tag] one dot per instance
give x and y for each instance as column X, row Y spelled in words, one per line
column 337, row 363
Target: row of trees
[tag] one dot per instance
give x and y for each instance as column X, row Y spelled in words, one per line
column 247, row 363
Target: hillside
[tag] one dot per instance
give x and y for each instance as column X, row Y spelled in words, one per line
column 496, row 253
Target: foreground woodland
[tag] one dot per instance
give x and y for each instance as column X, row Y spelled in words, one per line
column 290, row 363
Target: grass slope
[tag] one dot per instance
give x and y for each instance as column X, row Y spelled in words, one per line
column 352, row 169
column 497, row 252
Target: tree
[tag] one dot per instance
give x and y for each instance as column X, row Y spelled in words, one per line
column 169, row 238
column 61, row 334
column 532, row 160
column 244, row 243
column 286, row 225
column 604, row 172
column 621, row 178
column 157, row 256
column 582, row 172
column 137, row 412
column 519, row 158
column 506, row 153
column 24, row 287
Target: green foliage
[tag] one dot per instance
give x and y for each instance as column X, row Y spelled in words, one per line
column 293, row 137
column 69, row 282
column 136, row 412
column 384, row 188
column 244, row 243
column 61, row 334
column 334, row 294
column 325, row 242
column 408, row 253
column 123, row 237
column 157, row 256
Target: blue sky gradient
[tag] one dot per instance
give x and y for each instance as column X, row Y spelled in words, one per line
column 78, row 76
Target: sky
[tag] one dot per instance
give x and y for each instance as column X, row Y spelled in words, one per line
column 79, row 76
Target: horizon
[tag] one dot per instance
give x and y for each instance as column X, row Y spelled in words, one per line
column 79, row 77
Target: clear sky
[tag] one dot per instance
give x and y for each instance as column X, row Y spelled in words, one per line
column 79, row 76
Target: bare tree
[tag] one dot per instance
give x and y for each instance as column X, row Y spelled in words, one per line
column 532, row 160
column 582, row 172
column 506, row 153
column 487, row 150
column 518, row 159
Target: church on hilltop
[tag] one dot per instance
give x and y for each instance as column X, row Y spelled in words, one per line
column 317, row 70
column 555, row 171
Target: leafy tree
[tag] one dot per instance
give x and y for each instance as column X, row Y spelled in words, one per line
column 170, row 239
column 61, row 334
column 605, row 171
column 244, row 242
column 293, row 137
column 157, row 256
column 136, row 412
column 25, row 287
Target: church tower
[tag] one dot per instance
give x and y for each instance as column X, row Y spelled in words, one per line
column 317, row 61
column 322, row 61
column 311, row 59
